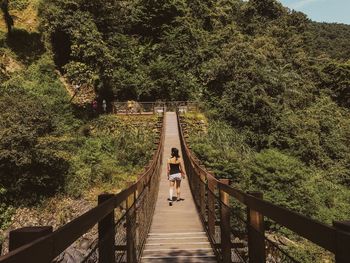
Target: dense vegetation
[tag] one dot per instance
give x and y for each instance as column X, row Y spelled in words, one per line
column 50, row 147
column 277, row 83
column 330, row 39
column 182, row 49
column 283, row 178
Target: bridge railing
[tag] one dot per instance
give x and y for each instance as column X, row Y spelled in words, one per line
column 134, row 107
column 123, row 221
column 234, row 220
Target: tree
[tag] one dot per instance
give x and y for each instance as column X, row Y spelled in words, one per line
column 28, row 165
column 151, row 16
column 335, row 76
column 270, row 9
column 284, row 180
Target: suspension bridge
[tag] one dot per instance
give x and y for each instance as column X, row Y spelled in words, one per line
column 215, row 222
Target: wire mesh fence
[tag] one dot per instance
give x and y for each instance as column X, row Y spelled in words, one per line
column 274, row 254
column 131, row 229
column 239, row 233
column 134, row 218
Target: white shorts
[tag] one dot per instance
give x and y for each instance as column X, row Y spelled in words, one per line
column 175, row 177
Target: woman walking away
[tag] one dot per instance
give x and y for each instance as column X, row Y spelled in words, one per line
column 175, row 173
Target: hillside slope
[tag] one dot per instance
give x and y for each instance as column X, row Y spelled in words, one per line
column 24, row 14
column 56, row 156
column 331, row 39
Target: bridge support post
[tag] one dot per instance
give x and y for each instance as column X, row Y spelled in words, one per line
column 211, row 208
column 342, row 253
column 197, row 191
column 131, row 230
column 202, row 195
column 106, row 234
column 26, row 235
column 225, row 226
column 256, row 233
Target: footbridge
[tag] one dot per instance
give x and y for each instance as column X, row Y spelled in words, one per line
column 214, row 223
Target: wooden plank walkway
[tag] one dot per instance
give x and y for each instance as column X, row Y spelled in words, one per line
column 177, row 234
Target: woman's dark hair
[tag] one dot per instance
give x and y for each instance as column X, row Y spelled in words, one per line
column 175, row 153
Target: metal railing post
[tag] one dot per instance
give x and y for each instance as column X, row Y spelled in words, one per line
column 342, row 253
column 106, row 234
column 256, row 233
column 225, row 217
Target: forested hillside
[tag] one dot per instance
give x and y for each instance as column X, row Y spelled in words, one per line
column 56, row 154
column 278, row 83
column 256, row 65
column 181, row 49
column 331, row 39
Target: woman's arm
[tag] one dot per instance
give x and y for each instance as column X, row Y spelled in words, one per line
column 168, row 169
column 182, row 170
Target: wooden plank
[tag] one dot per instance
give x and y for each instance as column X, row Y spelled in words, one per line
column 23, row 236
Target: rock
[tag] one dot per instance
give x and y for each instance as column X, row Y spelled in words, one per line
column 85, row 244
column 72, row 255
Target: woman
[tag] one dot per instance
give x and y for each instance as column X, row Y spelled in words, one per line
column 175, row 173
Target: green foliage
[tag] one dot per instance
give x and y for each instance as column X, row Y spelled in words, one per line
column 42, row 150
column 6, row 211
column 269, row 9
column 113, row 153
column 27, row 46
column 319, row 136
column 152, row 16
column 123, row 60
column 221, row 148
column 26, row 165
column 176, row 50
column 284, row 180
column 330, row 39
column 41, row 80
column 19, row 5
column 335, row 77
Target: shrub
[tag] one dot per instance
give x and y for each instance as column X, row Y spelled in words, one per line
column 27, row 166
column 114, row 151
column 284, row 180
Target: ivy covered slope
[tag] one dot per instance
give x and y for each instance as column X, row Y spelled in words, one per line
column 51, row 149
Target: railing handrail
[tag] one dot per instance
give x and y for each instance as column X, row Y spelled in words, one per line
column 146, row 107
column 47, row 248
column 319, row 233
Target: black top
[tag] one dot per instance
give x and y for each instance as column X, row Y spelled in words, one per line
column 174, row 168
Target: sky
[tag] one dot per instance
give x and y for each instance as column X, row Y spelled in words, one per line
column 337, row 11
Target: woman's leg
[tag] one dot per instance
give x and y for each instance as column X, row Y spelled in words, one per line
column 178, row 192
column 171, row 190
